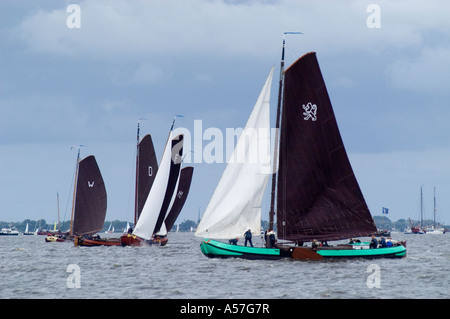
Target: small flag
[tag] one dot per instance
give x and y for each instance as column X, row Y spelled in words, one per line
column 385, row 210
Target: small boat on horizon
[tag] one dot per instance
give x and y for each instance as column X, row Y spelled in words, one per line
column 12, row 231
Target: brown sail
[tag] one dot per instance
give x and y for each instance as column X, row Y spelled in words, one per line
column 181, row 195
column 90, row 202
column 147, row 166
column 318, row 196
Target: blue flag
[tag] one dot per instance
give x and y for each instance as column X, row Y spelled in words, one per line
column 385, row 210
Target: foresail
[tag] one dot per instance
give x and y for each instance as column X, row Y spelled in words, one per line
column 235, row 205
column 318, row 195
column 90, row 204
column 156, row 199
column 174, row 177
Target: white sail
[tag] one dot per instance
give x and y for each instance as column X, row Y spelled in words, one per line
column 152, row 207
column 235, row 206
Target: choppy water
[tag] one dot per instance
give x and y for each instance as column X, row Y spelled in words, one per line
column 32, row 268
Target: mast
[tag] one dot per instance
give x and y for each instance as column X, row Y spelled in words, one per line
column 57, row 203
column 434, row 217
column 277, row 126
column 421, row 206
column 74, row 191
column 136, row 192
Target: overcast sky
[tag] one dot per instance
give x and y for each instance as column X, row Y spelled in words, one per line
column 65, row 84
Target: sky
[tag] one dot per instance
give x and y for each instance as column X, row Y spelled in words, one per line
column 87, row 74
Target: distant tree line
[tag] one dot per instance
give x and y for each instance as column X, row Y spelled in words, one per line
column 119, row 226
column 382, row 222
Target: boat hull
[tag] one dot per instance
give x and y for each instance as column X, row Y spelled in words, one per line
column 89, row 242
column 132, row 240
column 56, row 239
column 215, row 249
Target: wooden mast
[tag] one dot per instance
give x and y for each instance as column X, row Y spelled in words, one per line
column 136, row 195
column 277, row 126
column 74, row 192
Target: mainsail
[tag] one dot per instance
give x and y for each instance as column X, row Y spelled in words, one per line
column 146, row 168
column 235, row 205
column 318, row 196
column 90, row 201
column 180, row 196
column 160, row 196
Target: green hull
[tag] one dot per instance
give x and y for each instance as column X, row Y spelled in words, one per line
column 388, row 252
column 215, row 249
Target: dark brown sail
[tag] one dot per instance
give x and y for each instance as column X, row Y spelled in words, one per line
column 318, row 196
column 147, row 166
column 182, row 192
column 175, row 167
column 90, row 202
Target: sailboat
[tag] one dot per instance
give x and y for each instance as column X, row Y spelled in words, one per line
column 146, row 168
column 418, row 230
column 110, row 229
column 150, row 227
column 435, row 229
column 89, row 201
column 27, row 232
column 125, row 230
column 318, row 198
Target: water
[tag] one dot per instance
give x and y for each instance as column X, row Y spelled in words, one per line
column 32, row 268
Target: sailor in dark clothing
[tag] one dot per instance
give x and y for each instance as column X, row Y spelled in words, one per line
column 233, row 241
column 272, row 238
column 383, row 243
column 373, row 242
column 248, row 237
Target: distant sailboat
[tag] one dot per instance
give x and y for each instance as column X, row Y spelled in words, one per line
column 146, row 168
column 127, row 227
column 110, row 229
column 318, row 197
column 89, row 200
column 435, row 229
column 27, row 232
column 150, row 227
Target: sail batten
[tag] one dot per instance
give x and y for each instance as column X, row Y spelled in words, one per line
column 318, row 194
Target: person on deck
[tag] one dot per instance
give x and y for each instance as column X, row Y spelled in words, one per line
column 373, row 242
column 383, row 243
column 272, row 239
column 248, row 237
